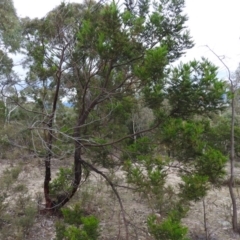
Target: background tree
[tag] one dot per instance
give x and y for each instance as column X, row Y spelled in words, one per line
column 233, row 90
column 9, row 27
column 10, row 39
column 10, row 33
column 10, row 36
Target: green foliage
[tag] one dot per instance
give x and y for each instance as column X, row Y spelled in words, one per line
column 13, row 173
column 13, row 135
column 153, row 167
column 184, row 138
column 10, row 26
column 101, row 155
column 2, row 112
column 195, row 89
column 218, row 135
column 154, row 63
column 138, row 150
column 73, row 216
column 76, row 226
column 194, row 188
column 60, row 230
column 6, row 67
column 20, row 215
column 10, row 176
column 26, row 219
column 90, row 226
column 74, row 233
column 122, row 109
column 62, row 182
column 168, row 229
column 149, row 177
column 211, row 164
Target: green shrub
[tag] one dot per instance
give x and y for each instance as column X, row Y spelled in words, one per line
column 212, row 164
column 26, row 221
column 73, row 216
column 10, row 176
column 60, row 230
column 74, row 233
column 90, row 226
column 13, row 173
column 75, row 226
column 62, row 183
column 194, row 188
column 142, row 147
column 20, row 188
column 20, row 217
column 168, row 229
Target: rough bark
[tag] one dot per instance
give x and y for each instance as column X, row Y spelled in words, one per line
column 49, row 205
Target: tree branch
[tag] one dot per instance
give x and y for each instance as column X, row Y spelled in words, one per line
column 114, row 190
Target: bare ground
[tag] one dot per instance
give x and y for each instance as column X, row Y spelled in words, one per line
column 98, row 199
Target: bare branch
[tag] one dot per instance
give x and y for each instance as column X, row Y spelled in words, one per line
column 227, row 68
column 114, row 190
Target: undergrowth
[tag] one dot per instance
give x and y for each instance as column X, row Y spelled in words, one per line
column 75, row 225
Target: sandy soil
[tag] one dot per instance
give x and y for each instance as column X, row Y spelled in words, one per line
column 98, row 198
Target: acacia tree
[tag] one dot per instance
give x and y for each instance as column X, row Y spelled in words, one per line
column 104, row 59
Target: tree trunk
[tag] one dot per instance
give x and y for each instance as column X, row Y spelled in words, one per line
column 48, row 202
column 63, row 199
column 47, row 179
column 232, row 162
column 49, row 205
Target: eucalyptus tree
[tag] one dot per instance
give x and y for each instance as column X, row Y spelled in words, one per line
column 9, row 27
column 10, row 36
column 49, row 44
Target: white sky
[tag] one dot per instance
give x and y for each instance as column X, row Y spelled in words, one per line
column 215, row 23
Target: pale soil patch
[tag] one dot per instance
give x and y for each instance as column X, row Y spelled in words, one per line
column 98, row 199
column 218, row 212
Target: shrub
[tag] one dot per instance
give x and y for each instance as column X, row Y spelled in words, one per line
column 73, row 216
column 76, row 226
column 10, row 176
column 168, row 229
column 62, row 183
column 20, row 188
column 26, row 221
